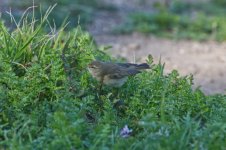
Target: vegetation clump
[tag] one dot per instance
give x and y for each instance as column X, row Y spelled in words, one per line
column 48, row 100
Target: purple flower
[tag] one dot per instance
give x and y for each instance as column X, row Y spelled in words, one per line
column 125, row 132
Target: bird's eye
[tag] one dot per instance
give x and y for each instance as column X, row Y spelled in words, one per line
column 93, row 67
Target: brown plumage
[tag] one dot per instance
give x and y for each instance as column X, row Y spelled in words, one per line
column 114, row 74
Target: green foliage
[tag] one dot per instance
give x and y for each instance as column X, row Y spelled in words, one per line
column 219, row 2
column 48, row 100
column 199, row 21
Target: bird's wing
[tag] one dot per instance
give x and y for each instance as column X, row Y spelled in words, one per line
column 123, row 73
column 133, row 71
column 117, row 75
column 134, row 66
column 127, row 65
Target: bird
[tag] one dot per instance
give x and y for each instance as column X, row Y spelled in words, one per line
column 114, row 74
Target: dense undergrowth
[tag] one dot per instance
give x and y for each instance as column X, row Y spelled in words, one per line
column 48, row 100
column 203, row 20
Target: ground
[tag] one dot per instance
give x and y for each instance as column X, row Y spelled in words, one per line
column 205, row 60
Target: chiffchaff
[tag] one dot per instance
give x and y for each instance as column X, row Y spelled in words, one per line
column 114, row 74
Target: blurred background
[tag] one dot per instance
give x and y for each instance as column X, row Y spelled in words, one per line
column 188, row 35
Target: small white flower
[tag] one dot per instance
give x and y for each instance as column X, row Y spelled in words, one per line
column 125, row 132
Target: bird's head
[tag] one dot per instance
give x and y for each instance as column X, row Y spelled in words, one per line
column 95, row 66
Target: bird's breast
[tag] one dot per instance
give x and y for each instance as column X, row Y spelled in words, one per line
column 95, row 74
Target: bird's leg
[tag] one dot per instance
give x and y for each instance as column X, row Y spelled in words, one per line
column 101, row 83
column 99, row 91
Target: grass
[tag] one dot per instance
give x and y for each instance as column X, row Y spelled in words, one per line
column 76, row 12
column 180, row 20
column 48, row 99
